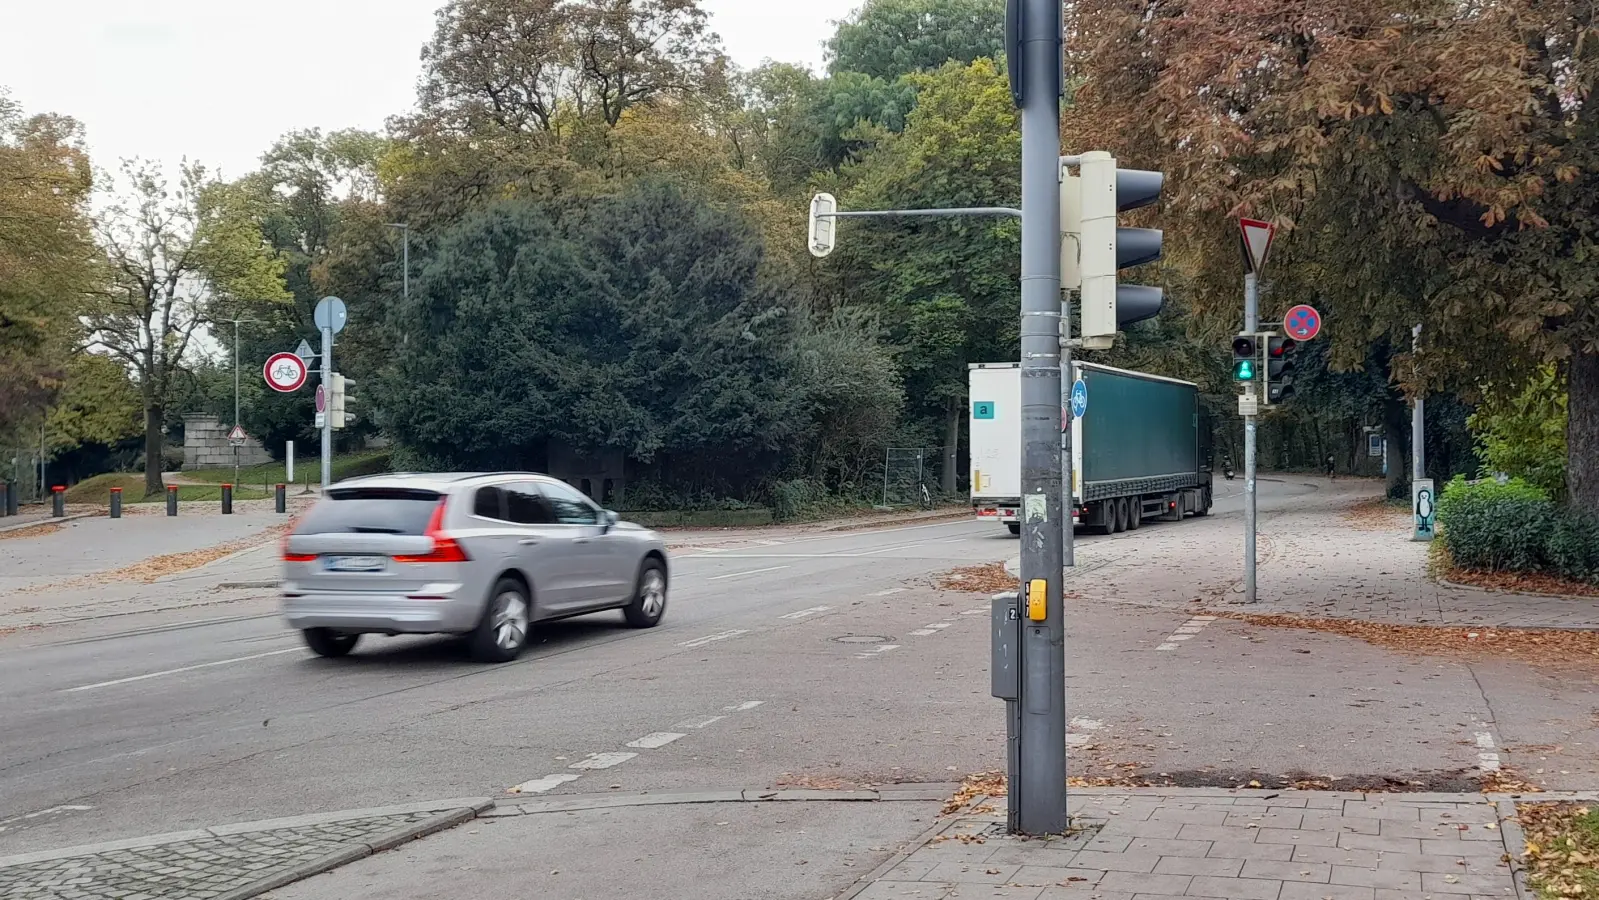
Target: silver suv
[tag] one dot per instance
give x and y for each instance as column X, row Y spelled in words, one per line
column 484, row 556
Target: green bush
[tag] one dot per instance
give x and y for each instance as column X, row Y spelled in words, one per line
column 1496, row 527
column 1573, row 546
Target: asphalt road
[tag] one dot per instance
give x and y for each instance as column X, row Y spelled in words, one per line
column 809, row 660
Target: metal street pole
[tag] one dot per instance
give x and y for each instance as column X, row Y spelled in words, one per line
column 235, row 397
column 1038, row 765
column 327, row 406
column 1418, row 421
column 1251, row 325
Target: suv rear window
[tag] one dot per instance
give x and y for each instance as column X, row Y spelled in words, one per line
column 371, row 510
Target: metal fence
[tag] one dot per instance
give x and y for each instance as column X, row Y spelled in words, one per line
column 20, row 466
column 912, row 476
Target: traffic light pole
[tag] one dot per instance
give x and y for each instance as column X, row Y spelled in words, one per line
column 327, row 406
column 1251, row 325
column 1037, row 721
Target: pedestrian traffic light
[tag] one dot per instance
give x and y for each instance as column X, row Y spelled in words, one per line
column 1089, row 204
column 822, row 234
column 1280, row 353
column 1246, row 357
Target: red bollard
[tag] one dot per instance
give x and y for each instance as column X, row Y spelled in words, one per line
column 116, row 503
column 58, row 501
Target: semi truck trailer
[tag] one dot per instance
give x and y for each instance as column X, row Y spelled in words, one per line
column 1141, row 449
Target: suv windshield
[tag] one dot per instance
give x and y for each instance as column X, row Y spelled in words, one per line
column 371, row 511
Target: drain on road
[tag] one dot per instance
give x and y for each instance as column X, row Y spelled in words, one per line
column 863, row 639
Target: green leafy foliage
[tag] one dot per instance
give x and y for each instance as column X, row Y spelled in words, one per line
column 1522, row 433
column 889, row 38
column 1495, row 527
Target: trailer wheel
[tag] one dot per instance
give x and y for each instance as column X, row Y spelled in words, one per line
column 1014, row 528
column 1118, row 510
column 1135, row 513
column 1203, row 509
column 1105, row 512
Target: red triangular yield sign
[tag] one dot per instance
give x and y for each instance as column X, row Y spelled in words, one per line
column 237, row 434
column 1257, row 241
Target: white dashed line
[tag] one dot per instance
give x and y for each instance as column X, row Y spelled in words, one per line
column 980, row 611
column 547, row 783
column 879, row 650
column 1075, row 738
column 700, row 723
column 1487, row 753
column 890, row 591
column 602, row 760
column 937, row 626
column 713, row 638
column 802, row 613
column 1186, row 632
column 750, row 572
column 655, row 741
column 746, row 706
column 221, row 662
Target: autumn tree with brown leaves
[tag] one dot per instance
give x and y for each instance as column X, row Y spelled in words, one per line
column 1432, row 162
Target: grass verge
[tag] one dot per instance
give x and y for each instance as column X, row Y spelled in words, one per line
column 1562, row 853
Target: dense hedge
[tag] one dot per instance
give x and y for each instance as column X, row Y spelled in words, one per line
column 1514, row 527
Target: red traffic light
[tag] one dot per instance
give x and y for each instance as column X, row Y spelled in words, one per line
column 1280, row 348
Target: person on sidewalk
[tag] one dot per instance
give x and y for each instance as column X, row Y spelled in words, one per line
column 1332, row 471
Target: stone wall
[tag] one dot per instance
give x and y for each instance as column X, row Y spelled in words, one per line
column 205, row 445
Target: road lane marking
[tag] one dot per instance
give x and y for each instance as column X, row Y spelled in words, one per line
column 7, row 823
column 937, row 626
column 934, row 628
column 602, row 760
column 750, row 572
column 1186, row 632
column 802, row 613
column 655, row 741
column 879, row 650
column 700, row 723
column 746, row 706
column 713, row 638
column 981, row 610
column 923, row 632
column 890, row 591
column 1488, row 754
column 221, row 662
column 1075, row 737
column 547, row 783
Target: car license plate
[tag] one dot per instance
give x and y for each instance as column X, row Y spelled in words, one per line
column 355, row 563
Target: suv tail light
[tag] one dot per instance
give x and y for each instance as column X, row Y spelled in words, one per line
column 445, row 548
column 295, row 557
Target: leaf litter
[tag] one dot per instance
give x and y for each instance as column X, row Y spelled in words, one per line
column 988, row 579
column 157, row 567
column 1541, row 647
column 1562, row 852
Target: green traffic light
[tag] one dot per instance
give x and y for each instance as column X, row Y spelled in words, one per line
column 1244, row 370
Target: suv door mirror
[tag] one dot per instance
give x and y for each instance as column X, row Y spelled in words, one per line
column 608, row 519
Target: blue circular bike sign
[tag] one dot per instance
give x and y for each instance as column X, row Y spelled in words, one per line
column 1079, row 398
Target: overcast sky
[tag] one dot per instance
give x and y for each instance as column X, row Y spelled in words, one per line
column 219, row 80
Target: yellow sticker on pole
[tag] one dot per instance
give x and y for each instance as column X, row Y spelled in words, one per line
column 1037, row 599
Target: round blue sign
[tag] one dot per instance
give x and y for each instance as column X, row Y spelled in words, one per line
column 1079, row 398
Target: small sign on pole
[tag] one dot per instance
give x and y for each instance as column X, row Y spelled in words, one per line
column 1257, row 237
column 1423, row 502
column 236, row 436
column 285, row 372
column 1302, row 322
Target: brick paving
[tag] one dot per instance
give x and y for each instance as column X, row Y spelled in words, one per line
column 1316, row 558
column 1232, row 845
column 199, row 865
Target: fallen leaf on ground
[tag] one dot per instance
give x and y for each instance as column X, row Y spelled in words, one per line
column 989, row 579
column 1378, row 514
column 1522, row 582
column 1562, row 846
column 1543, row 647
column 31, row 531
column 158, row 567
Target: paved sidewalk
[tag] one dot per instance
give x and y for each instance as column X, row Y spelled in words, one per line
column 1235, row 845
column 1325, row 556
column 228, row 862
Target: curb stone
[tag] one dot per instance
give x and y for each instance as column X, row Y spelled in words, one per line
column 926, row 793
column 442, row 815
column 1515, row 843
column 48, row 521
column 944, row 823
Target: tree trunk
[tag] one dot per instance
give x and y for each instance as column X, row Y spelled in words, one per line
column 1396, row 430
column 952, row 439
column 1582, row 431
column 154, row 416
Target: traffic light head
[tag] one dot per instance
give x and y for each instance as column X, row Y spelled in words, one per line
column 1280, row 353
column 1089, row 208
column 1246, row 357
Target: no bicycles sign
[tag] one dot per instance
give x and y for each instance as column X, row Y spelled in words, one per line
column 285, row 372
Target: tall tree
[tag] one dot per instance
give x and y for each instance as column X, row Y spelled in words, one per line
column 946, row 289
column 1435, row 162
column 889, row 38
column 179, row 258
column 47, row 261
